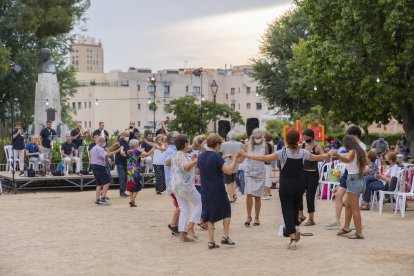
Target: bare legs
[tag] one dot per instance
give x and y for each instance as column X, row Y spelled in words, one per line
column 133, row 196
column 175, row 218
column 231, row 190
column 352, row 211
column 249, row 207
column 226, row 229
column 339, row 202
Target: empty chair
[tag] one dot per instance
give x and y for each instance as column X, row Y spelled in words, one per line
column 8, row 150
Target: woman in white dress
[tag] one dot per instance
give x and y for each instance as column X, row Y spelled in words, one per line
column 254, row 177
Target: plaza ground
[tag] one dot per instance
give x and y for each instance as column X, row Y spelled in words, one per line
column 63, row 233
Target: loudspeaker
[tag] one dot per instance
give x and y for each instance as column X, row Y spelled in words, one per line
column 223, row 128
column 251, row 123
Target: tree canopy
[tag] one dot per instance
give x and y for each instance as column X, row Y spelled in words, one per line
column 186, row 114
column 26, row 27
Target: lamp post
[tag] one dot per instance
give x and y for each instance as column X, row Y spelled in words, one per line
column 214, row 89
column 199, row 74
column 151, row 80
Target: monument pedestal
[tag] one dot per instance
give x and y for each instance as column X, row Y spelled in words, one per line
column 47, row 105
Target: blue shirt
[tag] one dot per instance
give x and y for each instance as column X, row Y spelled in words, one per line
column 167, row 169
column 47, row 137
column 119, row 159
column 280, row 144
column 18, row 142
column 31, row 148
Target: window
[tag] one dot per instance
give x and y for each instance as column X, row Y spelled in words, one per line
column 257, row 89
column 196, row 89
column 90, row 104
column 248, row 89
column 84, row 106
column 90, row 124
column 166, row 89
column 74, row 105
column 227, row 96
column 86, row 124
column 139, row 123
column 248, row 105
column 151, row 88
column 258, row 106
column 232, row 90
column 139, row 106
column 186, row 89
column 139, row 87
column 233, row 106
column 239, row 90
column 239, row 106
column 79, row 105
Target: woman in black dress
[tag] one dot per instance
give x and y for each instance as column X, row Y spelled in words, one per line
column 292, row 180
column 216, row 205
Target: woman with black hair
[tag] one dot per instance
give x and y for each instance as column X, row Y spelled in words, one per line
column 291, row 180
column 311, row 174
column 355, row 161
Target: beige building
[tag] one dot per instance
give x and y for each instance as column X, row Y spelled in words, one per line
column 87, row 55
column 119, row 97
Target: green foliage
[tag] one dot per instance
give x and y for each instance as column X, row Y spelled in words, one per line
column 275, row 126
column 153, row 106
column 241, row 136
column 275, row 52
column 187, row 115
column 391, row 138
column 27, row 26
column 352, row 43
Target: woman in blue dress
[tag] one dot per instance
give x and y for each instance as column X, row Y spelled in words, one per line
column 216, row 205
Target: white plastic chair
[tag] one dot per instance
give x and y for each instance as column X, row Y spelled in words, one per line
column 323, row 176
column 393, row 194
column 89, row 159
column 402, row 196
column 65, row 163
column 8, row 150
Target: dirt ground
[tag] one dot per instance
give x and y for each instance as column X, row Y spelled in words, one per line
column 63, row 233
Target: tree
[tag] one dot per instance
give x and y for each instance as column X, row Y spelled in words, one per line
column 275, row 127
column 187, row 115
column 27, row 26
column 359, row 61
column 270, row 68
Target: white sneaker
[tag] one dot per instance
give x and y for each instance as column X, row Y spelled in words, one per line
column 266, row 197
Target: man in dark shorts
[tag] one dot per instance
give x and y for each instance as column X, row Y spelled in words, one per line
column 231, row 147
column 98, row 159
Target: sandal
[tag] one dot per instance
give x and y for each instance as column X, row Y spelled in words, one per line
column 186, row 239
column 212, row 245
column 292, row 245
column 310, row 223
column 297, row 236
column 365, row 207
column 227, row 241
column 191, row 232
column 248, row 221
column 356, row 236
column 256, row 223
column 203, row 226
column 343, row 232
column 301, row 220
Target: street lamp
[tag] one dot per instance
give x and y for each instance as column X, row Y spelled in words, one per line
column 151, row 80
column 214, row 89
column 199, row 74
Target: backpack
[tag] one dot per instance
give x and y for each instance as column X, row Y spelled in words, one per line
column 31, row 172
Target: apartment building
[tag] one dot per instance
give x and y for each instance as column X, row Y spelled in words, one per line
column 119, row 97
column 87, row 55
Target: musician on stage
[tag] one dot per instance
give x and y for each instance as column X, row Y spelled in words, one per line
column 34, row 153
column 101, row 131
column 69, row 153
column 77, row 138
column 133, row 131
column 18, row 146
column 48, row 134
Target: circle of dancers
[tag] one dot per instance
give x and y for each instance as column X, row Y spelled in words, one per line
column 202, row 177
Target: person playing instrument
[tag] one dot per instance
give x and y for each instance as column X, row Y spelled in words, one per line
column 18, row 146
column 34, row 152
column 77, row 138
column 133, row 131
column 48, row 134
column 101, row 131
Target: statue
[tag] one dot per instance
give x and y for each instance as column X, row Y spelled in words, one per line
column 48, row 65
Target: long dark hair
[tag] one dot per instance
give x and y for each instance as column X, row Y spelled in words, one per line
column 350, row 144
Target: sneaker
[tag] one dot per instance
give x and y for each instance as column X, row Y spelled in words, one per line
column 123, row 195
column 98, row 203
column 334, row 224
column 174, row 230
column 104, row 202
column 266, row 197
column 105, row 198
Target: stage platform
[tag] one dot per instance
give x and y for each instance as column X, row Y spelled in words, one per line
column 66, row 181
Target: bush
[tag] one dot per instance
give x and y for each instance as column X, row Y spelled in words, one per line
column 241, row 136
column 391, row 138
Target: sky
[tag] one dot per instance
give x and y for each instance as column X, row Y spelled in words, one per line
column 171, row 34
